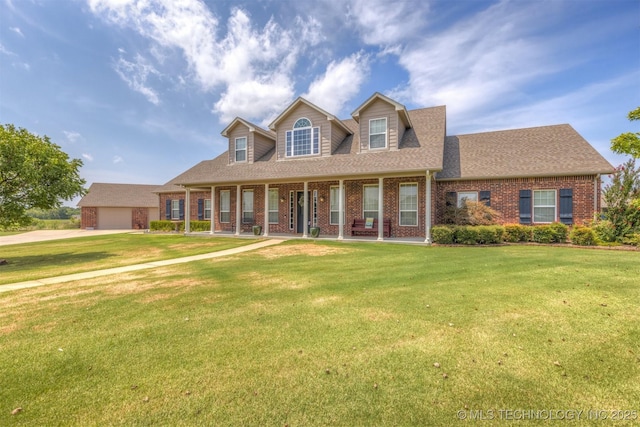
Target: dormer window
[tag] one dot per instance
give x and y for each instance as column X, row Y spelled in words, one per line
column 241, row 149
column 303, row 140
column 378, row 133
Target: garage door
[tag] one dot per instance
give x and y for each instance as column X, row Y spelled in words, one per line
column 114, row 218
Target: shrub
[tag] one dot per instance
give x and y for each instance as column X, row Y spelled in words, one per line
column 622, row 196
column 517, row 233
column 542, row 234
column 162, row 225
column 470, row 213
column 200, row 225
column 490, row 234
column 442, row 235
column 466, row 235
column 560, row 232
column 583, row 236
column 605, row 231
column 633, row 240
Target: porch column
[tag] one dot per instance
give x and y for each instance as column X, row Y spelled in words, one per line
column 213, row 209
column 238, row 210
column 187, row 211
column 427, row 213
column 380, row 209
column 305, row 210
column 266, row 210
column 340, row 210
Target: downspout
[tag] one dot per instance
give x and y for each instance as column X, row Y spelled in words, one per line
column 596, row 194
column 427, row 207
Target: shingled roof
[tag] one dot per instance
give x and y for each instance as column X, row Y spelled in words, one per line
column 120, row 196
column 556, row 150
column 420, row 150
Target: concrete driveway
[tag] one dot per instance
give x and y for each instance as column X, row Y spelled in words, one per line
column 44, row 235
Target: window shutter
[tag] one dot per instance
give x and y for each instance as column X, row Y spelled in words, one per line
column 181, row 208
column 200, row 209
column 485, row 197
column 451, row 199
column 525, row 206
column 167, row 210
column 566, row 206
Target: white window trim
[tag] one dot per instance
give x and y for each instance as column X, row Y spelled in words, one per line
column 385, row 133
column 400, row 210
column 363, row 199
column 246, row 142
column 277, row 209
column 228, row 192
column 315, row 131
column 175, row 207
column 337, row 210
column 207, row 210
column 554, row 206
column 459, row 199
column 246, row 211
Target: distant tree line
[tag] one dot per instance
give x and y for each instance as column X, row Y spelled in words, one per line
column 63, row 212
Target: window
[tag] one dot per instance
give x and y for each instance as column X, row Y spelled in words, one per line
column 378, row 133
column 409, row 204
column 544, row 205
column 273, row 206
column 175, row 209
column 467, row 196
column 241, row 149
column 225, row 206
column 207, row 209
column 247, row 206
column 370, row 209
column 303, row 140
column 334, row 208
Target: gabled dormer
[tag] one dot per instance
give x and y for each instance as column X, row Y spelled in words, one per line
column 305, row 130
column 382, row 122
column 247, row 142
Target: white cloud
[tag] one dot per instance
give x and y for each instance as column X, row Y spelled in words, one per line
column 117, row 159
column 88, row 157
column 251, row 67
column 340, row 82
column 135, row 74
column 17, row 31
column 5, row 51
column 72, row 136
column 384, row 22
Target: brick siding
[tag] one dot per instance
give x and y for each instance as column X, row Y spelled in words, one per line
column 89, row 217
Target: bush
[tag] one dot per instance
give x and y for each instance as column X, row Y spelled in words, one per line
column 560, row 232
column 542, row 234
column 633, row 240
column 162, row 225
column 583, row 236
column 466, row 235
column 517, row 233
column 470, row 213
column 605, row 231
column 490, row 234
column 442, row 235
column 200, row 225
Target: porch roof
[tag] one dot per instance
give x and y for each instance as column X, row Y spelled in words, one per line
column 421, row 149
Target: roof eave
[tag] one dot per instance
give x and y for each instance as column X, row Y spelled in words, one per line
column 544, row 175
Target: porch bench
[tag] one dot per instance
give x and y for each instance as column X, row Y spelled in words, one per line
column 359, row 227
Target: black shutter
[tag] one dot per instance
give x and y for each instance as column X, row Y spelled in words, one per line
column 200, row 209
column 485, row 197
column 451, row 199
column 566, row 206
column 525, row 206
column 167, row 213
column 181, row 208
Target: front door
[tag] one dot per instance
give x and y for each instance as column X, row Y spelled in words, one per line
column 300, row 211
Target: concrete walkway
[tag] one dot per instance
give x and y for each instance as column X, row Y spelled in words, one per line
column 45, row 235
column 136, row 267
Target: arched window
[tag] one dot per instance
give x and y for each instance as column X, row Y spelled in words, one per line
column 303, row 140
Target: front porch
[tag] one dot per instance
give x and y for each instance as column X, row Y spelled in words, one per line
column 321, row 237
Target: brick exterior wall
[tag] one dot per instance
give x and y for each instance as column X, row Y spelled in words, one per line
column 88, row 217
column 504, row 198
column 140, row 218
column 505, row 195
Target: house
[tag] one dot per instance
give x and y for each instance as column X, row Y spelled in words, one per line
column 385, row 162
column 119, row 206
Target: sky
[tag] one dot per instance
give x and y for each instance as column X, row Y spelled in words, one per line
column 141, row 89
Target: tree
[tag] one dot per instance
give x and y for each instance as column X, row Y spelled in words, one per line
column 34, row 173
column 622, row 197
column 629, row 142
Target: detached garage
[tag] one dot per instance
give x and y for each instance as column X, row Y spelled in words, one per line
column 119, row 207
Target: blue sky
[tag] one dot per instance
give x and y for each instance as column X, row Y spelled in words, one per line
column 140, row 90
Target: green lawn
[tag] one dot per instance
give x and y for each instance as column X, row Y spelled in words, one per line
column 324, row 333
column 67, row 256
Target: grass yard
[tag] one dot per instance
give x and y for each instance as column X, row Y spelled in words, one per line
column 324, row 333
column 67, row 256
